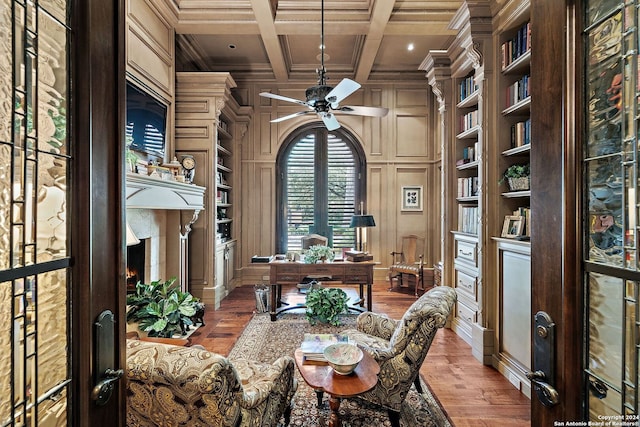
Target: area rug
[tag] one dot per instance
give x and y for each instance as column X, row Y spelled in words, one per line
column 265, row 341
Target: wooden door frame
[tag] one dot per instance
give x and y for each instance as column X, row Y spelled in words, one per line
column 555, row 199
column 97, row 67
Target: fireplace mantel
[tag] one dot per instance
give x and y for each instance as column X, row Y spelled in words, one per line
column 144, row 192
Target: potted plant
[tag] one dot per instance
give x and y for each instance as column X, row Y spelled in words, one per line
column 318, row 253
column 517, row 176
column 324, row 305
column 131, row 157
column 160, row 309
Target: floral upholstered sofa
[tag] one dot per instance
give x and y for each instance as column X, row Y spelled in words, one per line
column 188, row 386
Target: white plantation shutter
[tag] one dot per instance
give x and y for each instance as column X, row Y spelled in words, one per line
column 300, row 191
column 320, row 183
column 341, row 193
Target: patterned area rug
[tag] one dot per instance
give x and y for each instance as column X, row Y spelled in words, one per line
column 265, row 341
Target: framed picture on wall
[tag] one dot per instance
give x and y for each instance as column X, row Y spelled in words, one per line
column 411, row 198
column 513, row 226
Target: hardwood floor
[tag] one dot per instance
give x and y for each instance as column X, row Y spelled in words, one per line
column 473, row 395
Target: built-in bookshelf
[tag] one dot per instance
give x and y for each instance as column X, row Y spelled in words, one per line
column 514, row 123
column 224, row 180
column 210, row 135
column 467, row 147
column 513, row 138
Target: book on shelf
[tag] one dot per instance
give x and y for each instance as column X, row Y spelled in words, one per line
column 468, row 187
column 468, row 87
column 468, row 121
column 518, row 91
column 517, row 46
column 468, row 219
column 521, row 133
column 525, row 213
column 313, row 345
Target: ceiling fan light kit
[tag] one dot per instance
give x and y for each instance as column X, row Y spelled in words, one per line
column 324, row 100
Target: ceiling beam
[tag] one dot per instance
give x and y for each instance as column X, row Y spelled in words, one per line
column 379, row 18
column 264, row 17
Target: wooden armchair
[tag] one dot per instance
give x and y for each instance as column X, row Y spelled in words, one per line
column 313, row 240
column 400, row 346
column 408, row 261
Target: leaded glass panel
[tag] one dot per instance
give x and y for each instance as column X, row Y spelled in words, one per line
column 34, row 255
column 611, row 172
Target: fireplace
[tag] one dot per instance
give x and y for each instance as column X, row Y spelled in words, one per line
column 155, row 214
column 136, row 264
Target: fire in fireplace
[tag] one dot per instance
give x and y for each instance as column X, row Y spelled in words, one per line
column 135, row 264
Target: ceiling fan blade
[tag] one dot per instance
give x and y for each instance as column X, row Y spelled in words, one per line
column 283, row 98
column 345, row 88
column 330, row 120
column 291, row 116
column 363, row 111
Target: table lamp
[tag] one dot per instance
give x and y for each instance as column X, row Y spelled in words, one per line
column 361, row 223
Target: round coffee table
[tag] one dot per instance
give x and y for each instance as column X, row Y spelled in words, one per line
column 320, row 377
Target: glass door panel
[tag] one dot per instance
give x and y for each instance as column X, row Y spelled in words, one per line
column 611, row 198
column 34, row 201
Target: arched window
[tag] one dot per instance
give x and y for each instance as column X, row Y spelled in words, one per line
column 320, row 184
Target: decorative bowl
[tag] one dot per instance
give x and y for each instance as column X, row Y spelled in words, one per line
column 343, row 357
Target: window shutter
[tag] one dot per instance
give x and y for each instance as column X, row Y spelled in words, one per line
column 342, row 191
column 303, row 189
column 300, row 191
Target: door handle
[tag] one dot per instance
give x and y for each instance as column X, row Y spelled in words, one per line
column 544, row 359
column 546, row 393
column 102, row 391
column 105, row 376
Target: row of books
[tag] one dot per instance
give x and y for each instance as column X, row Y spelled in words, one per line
column 468, row 219
column 517, row 91
column 521, row 133
column 468, row 121
column 517, row 46
column 470, row 153
column 524, row 212
column 222, row 197
column 468, row 187
column 467, row 87
column 313, row 345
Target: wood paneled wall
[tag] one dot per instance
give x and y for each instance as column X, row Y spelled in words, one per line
column 401, row 149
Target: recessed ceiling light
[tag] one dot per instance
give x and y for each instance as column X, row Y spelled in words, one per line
column 410, row 47
column 232, row 46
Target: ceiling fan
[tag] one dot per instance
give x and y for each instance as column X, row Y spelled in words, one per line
column 324, row 100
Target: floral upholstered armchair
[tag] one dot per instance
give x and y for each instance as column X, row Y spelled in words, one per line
column 188, row 386
column 400, row 346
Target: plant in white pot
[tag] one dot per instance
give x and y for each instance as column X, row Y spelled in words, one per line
column 318, row 253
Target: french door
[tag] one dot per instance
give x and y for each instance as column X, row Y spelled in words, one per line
column 585, row 271
column 60, row 234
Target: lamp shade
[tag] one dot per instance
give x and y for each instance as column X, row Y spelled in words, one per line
column 362, row 221
column 132, row 239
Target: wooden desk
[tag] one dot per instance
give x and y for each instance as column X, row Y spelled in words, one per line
column 293, row 272
column 321, row 378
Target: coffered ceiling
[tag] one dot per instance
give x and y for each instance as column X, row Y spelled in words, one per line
column 279, row 40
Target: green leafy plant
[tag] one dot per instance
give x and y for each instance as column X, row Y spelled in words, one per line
column 516, row 171
column 325, row 305
column 317, row 253
column 161, row 309
column 131, row 157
